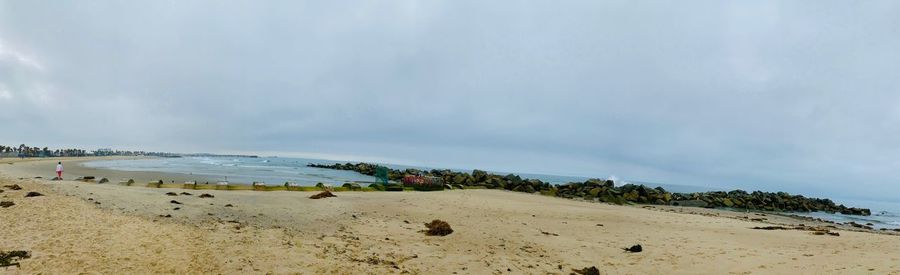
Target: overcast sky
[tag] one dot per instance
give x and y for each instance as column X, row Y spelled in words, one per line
column 802, row 96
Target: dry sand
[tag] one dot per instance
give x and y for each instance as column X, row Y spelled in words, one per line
column 496, row 232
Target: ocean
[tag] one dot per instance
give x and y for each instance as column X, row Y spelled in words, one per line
column 277, row 170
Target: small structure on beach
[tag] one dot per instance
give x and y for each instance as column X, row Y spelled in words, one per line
column 222, row 185
column 291, row 186
column 190, row 184
column 259, row 186
column 382, row 174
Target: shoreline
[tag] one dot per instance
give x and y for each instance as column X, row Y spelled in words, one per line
column 30, row 167
column 106, row 228
column 74, row 168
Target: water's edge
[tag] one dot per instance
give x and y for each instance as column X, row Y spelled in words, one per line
column 276, row 171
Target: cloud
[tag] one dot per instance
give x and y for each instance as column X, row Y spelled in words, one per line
column 767, row 95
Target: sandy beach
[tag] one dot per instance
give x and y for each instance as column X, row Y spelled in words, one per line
column 30, row 168
column 106, row 228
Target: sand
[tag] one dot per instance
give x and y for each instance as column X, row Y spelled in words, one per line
column 495, row 232
column 33, row 167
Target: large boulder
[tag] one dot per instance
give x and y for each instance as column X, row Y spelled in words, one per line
column 727, row 202
column 412, row 171
column 612, row 198
column 632, row 195
column 528, row 189
column 479, row 176
column 459, row 179
column 690, row 203
column 599, row 183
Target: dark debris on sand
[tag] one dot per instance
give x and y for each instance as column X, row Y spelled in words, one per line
column 186, row 194
column 13, row 187
column 438, row 228
column 172, row 194
column 324, row 194
column 204, row 195
column 175, row 202
column 815, row 230
column 549, row 233
column 33, row 194
column 587, row 271
column 11, row 258
column 634, row 248
column 6, row 204
column 771, row 228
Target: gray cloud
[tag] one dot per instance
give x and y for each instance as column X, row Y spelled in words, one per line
column 789, row 96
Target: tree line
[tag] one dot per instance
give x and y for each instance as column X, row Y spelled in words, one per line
column 25, row 151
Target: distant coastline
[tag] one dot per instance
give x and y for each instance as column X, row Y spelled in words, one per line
column 27, row 151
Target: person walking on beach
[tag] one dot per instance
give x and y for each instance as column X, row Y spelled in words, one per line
column 59, row 170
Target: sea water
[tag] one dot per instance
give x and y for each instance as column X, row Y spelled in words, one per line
column 240, row 170
column 276, row 170
column 884, row 214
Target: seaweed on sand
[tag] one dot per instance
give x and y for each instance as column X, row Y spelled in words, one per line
column 11, row 258
column 587, row 271
column 322, row 195
column 438, row 228
column 634, row 248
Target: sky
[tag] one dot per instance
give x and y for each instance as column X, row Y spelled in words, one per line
column 800, row 96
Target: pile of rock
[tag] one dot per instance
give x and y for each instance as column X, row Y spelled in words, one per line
column 606, row 191
column 769, row 201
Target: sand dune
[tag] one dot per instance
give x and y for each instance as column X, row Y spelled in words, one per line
column 496, row 232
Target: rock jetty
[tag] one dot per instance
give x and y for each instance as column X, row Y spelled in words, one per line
column 606, row 191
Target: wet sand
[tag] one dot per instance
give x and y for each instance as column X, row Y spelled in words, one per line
column 106, row 228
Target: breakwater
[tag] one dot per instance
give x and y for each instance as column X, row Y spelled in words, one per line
column 606, row 191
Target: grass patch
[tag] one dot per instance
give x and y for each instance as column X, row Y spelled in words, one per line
column 204, row 187
column 475, row 187
column 168, row 185
column 551, row 193
column 240, row 187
